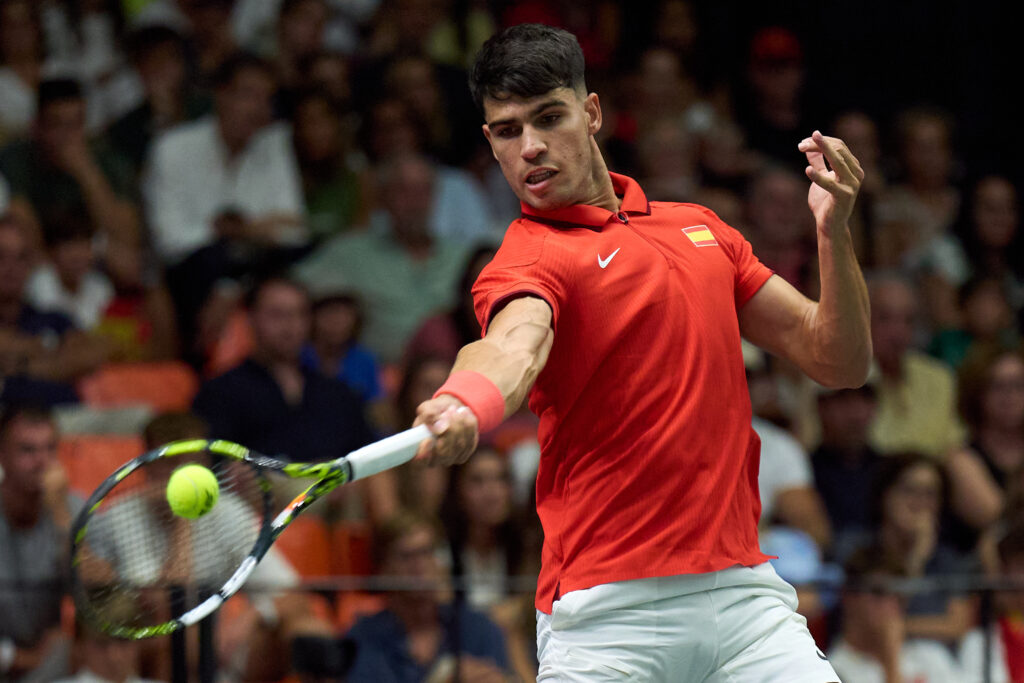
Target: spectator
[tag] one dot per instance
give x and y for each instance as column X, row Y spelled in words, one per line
column 421, row 488
column 23, row 64
column 334, row 193
column 916, row 217
column 35, row 515
column 916, row 394
column 874, row 646
column 70, row 283
column 1006, row 634
column 419, row 635
column 990, row 234
column 981, row 474
column 41, row 353
column 860, row 133
column 773, row 113
column 233, row 163
column 58, row 171
column 845, row 465
column 300, row 36
column 401, row 272
column 444, row 334
column 334, row 347
column 985, row 319
column 786, row 485
column 158, row 54
column 908, row 502
column 270, row 402
column 486, row 544
column 99, row 658
column 781, row 227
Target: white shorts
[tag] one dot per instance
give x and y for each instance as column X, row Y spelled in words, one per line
column 737, row 625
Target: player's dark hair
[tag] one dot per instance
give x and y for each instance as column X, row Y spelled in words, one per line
column 236, row 64
column 30, row 412
column 526, row 60
column 57, row 90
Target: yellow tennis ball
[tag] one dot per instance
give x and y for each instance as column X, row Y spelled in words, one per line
column 192, row 491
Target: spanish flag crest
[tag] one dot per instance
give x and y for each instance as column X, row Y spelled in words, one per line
column 700, row 235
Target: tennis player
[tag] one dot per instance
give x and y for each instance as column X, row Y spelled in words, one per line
column 622, row 317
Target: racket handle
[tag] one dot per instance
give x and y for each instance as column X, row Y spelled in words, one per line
column 386, row 453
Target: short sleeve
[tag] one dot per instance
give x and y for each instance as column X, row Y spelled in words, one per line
column 751, row 274
column 525, row 265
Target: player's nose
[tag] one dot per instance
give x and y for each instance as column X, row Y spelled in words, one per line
column 533, row 144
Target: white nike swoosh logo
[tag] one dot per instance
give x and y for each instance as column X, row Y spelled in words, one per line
column 603, row 262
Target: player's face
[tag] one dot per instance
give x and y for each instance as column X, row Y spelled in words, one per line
column 545, row 146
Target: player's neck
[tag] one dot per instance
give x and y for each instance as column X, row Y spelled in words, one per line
column 601, row 192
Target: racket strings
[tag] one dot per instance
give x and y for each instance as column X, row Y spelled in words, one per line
column 139, row 565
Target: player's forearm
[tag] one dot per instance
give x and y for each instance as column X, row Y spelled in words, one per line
column 840, row 324
column 511, row 361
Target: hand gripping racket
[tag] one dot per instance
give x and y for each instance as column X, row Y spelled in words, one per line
column 138, row 570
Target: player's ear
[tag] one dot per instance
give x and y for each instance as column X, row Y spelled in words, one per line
column 592, row 109
column 487, row 134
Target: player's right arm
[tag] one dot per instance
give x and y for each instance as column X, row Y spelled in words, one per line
column 510, row 356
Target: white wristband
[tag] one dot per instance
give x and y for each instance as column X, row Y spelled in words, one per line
column 7, row 654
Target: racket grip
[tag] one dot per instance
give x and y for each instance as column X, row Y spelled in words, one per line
column 386, row 453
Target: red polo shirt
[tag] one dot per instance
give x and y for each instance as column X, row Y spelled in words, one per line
column 648, row 460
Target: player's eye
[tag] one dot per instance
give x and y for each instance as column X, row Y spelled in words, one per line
column 549, row 119
column 507, row 132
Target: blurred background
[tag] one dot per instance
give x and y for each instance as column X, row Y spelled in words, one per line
column 260, row 220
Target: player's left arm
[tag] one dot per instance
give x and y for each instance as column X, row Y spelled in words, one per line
column 830, row 340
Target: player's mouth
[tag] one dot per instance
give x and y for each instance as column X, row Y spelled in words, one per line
column 537, row 180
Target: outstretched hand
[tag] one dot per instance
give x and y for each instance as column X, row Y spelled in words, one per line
column 835, row 184
column 455, row 429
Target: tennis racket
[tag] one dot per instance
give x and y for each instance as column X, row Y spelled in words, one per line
column 138, row 570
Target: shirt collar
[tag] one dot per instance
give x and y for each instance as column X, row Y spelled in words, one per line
column 634, row 201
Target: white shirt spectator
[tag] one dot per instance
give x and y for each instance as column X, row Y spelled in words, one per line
column 972, row 657
column 784, row 464
column 85, row 307
column 921, row 661
column 191, row 180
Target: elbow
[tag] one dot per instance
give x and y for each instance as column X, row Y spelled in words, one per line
column 851, row 371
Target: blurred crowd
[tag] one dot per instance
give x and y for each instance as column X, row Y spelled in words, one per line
column 260, row 220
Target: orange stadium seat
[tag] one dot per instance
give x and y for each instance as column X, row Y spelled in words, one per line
column 351, row 605
column 231, row 347
column 89, row 459
column 164, row 386
column 305, row 545
column 351, row 549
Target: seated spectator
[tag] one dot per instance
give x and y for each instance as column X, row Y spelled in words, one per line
column 270, row 402
column 481, row 526
column 99, row 658
column 1006, row 634
column 985, row 319
column 35, row 516
column 990, row 234
column 57, row 170
column 139, row 321
column 421, row 488
column 909, row 499
column 299, row 37
column 785, row 485
column 41, row 353
column 334, row 347
column 860, row 133
column 917, row 394
column 158, row 54
column 981, row 474
column 420, row 635
column 781, row 228
column 234, row 161
column 845, row 465
column 401, row 272
column 444, row 334
column 70, row 283
column 874, row 645
column 334, row 193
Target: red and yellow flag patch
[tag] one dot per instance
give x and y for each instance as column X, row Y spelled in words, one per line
column 700, row 235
